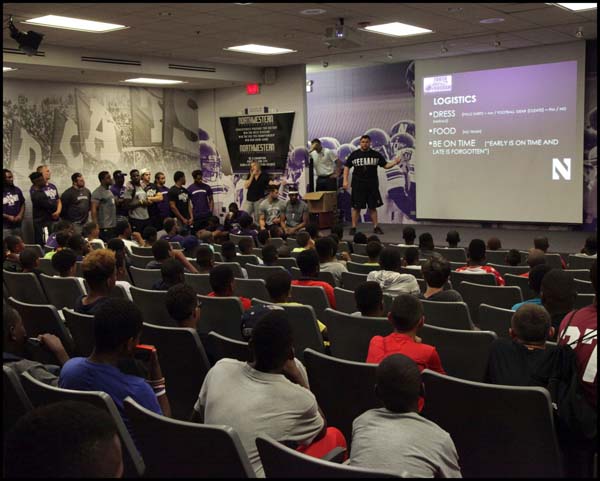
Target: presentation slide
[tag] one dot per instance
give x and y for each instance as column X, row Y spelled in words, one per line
column 504, row 143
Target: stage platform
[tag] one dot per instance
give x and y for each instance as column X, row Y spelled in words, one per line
column 560, row 240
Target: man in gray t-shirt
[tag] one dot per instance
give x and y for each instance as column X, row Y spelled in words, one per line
column 137, row 203
column 271, row 208
column 104, row 209
column 266, row 396
column 396, row 438
column 295, row 214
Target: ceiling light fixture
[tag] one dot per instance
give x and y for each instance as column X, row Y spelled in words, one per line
column 397, row 29
column 491, row 20
column 28, row 42
column 313, row 11
column 577, row 7
column 8, row 69
column 79, row 24
column 154, row 81
column 259, row 49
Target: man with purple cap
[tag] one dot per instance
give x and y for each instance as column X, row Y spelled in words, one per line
column 295, row 214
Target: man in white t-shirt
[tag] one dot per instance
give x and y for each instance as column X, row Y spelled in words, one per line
column 326, row 166
column 268, row 395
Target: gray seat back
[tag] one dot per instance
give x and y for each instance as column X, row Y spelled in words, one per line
column 344, row 300
column 311, row 296
column 144, row 278
column 62, row 291
column 496, row 319
column 262, row 272
column 251, row 288
column 219, row 347
column 25, row 287
column 81, row 327
column 452, row 315
column 152, row 305
column 222, row 315
column 199, row 282
column 499, row 296
column 14, row 400
column 351, row 280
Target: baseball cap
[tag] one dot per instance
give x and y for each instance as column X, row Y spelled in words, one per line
column 117, row 173
column 35, row 175
column 144, row 171
column 251, row 317
column 293, row 189
column 189, row 242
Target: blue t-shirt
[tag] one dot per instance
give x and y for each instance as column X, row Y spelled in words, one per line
column 81, row 374
column 535, row 300
column 200, row 194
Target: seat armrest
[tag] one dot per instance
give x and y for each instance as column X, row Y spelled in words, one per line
column 336, row 455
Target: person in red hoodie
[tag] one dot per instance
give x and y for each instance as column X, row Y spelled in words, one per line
column 221, row 280
column 406, row 316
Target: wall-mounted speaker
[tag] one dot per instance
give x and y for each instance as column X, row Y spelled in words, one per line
column 269, row 75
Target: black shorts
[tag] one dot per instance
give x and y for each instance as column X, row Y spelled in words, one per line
column 366, row 195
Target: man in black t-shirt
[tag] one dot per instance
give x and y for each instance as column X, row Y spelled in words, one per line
column 76, row 201
column 365, row 184
column 179, row 201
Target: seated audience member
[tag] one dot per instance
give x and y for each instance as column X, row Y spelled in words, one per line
column 79, row 245
column 579, row 455
column 308, row 263
column 409, row 235
column 123, row 231
column 373, row 238
column 99, row 271
column 117, row 332
column 270, row 255
column 373, row 251
column 246, row 228
column 406, row 316
column 535, row 257
column 536, row 275
column 359, row 238
column 15, row 349
column 61, row 225
column 263, row 238
column 558, row 295
column 452, row 238
column 390, row 279
column 233, row 217
column 30, row 261
column 62, row 239
column 117, row 246
column 217, row 231
column 221, row 281
column 172, row 273
column 205, row 258
column 171, row 234
column 304, row 242
column 271, row 385
column 183, row 306
column 494, row 244
column 313, row 231
column 65, row 263
column 590, row 247
column 476, row 262
column 66, row 439
column 513, row 257
column 163, row 232
column 91, row 233
column 514, row 362
column 13, row 247
column 395, row 438
column 338, row 230
column 276, row 231
column 245, row 246
column 229, row 254
column 369, row 300
column 162, row 250
column 342, row 255
column 436, row 273
column 426, row 246
column 279, row 287
column 326, row 249
column 542, row 244
column 284, row 251
column 190, row 246
column 149, row 235
column 411, row 259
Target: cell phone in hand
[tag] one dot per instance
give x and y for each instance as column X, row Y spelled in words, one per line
column 143, row 352
column 34, row 341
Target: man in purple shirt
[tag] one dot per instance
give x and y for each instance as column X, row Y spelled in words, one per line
column 47, row 213
column 13, row 206
column 159, row 209
column 201, row 196
column 118, row 190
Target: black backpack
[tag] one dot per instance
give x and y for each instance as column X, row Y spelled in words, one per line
column 575, row 417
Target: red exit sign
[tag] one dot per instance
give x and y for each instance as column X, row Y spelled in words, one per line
column 252, row 89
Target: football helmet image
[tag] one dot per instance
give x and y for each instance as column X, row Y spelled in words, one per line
column 344, row 151
column 409, row 77
column 356, row 142
column 330, row 143
column 296, row 162
column 210, row 162
column 380, row 141
column 403, row 127
column 398, row 142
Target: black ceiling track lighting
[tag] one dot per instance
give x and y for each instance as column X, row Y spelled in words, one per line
column 28, row 41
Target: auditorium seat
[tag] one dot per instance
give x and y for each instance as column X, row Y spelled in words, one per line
column 81, row 327
column 140, row 261
column 243, row 260
column 498, row 431
column 37, row 248
column 277, row 242
column 503, row 270
column 15, row 401
column 580, row 262
column 218, row 347
column 141, row 251
column 522, row 283
column 24, row 287
column 311, row 296
column 62, row 291
column 345, row 300
column 199, row 282
column 584, row 287
column 47, row 268
column 251, row 288
column 235, row 267
column 152, row 305
column 583, row 300
column 181, row 449
column 351, row 280
column 262, row 272
column 222, row 315
column 496, row 319
column 499, row 296
column 454, row 254
column 451, row 315
column 360, row 249
column 581, row 274
column 183, row 363
column 286, row 262
column 361, row 268
column 237, row 238
column 144, row 278
column 496, row 257
column 359, row 258
column 456, row 277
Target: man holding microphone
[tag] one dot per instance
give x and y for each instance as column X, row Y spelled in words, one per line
column 326, row 166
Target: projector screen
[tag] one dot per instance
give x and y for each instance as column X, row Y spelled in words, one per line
column 501, row 135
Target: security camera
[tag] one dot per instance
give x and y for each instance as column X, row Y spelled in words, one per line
column 579, row 32
column 325, row 64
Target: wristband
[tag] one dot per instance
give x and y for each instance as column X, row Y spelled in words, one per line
column 153, row 382
column 160, row 393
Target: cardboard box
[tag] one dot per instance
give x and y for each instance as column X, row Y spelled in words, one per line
column 323, row 219
column 325, row 201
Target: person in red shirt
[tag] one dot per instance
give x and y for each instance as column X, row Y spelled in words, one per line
column 221, row 280
column 476, row 262
column 534, row 258
column 308, row 263
column 406, row 316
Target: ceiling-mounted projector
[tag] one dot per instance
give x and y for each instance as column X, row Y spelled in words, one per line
column 341, row 36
